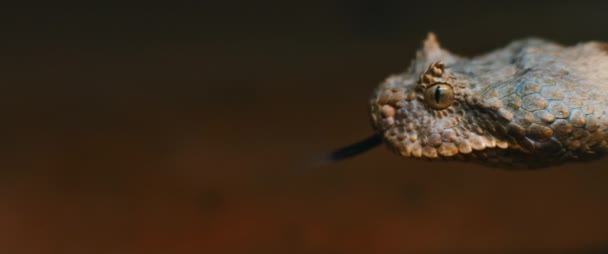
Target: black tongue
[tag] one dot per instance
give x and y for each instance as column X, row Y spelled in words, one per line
column 356, row 148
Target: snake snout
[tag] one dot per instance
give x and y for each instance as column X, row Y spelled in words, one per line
column 387, row 117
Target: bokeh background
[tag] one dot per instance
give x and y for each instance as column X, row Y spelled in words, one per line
column 191, row 128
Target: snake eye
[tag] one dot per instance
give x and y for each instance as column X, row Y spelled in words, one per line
column 439, row 96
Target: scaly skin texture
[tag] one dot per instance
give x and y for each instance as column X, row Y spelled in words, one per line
column 531, row 104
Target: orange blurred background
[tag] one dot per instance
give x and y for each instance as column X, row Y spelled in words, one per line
column 192, row 128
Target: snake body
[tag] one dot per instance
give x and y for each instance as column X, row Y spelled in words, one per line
column 531, row 104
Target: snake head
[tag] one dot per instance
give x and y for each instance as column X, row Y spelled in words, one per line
column 531, row 104
column 430, row 110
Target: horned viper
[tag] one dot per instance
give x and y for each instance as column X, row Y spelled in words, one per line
column 531, row 104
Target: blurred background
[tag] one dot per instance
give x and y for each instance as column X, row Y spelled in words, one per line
column 191, row 129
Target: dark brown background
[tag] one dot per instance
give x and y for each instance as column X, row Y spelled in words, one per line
column 192, row 128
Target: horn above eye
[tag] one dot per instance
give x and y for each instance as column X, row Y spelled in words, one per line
column 439, row 96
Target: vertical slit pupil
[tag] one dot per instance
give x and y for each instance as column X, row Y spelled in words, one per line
column 437, row 94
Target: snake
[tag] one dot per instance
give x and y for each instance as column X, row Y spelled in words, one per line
column 531, row 104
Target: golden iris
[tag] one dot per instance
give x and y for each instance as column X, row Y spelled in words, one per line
column 439, row 96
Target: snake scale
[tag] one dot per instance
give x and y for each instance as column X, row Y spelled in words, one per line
column 531, row 104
